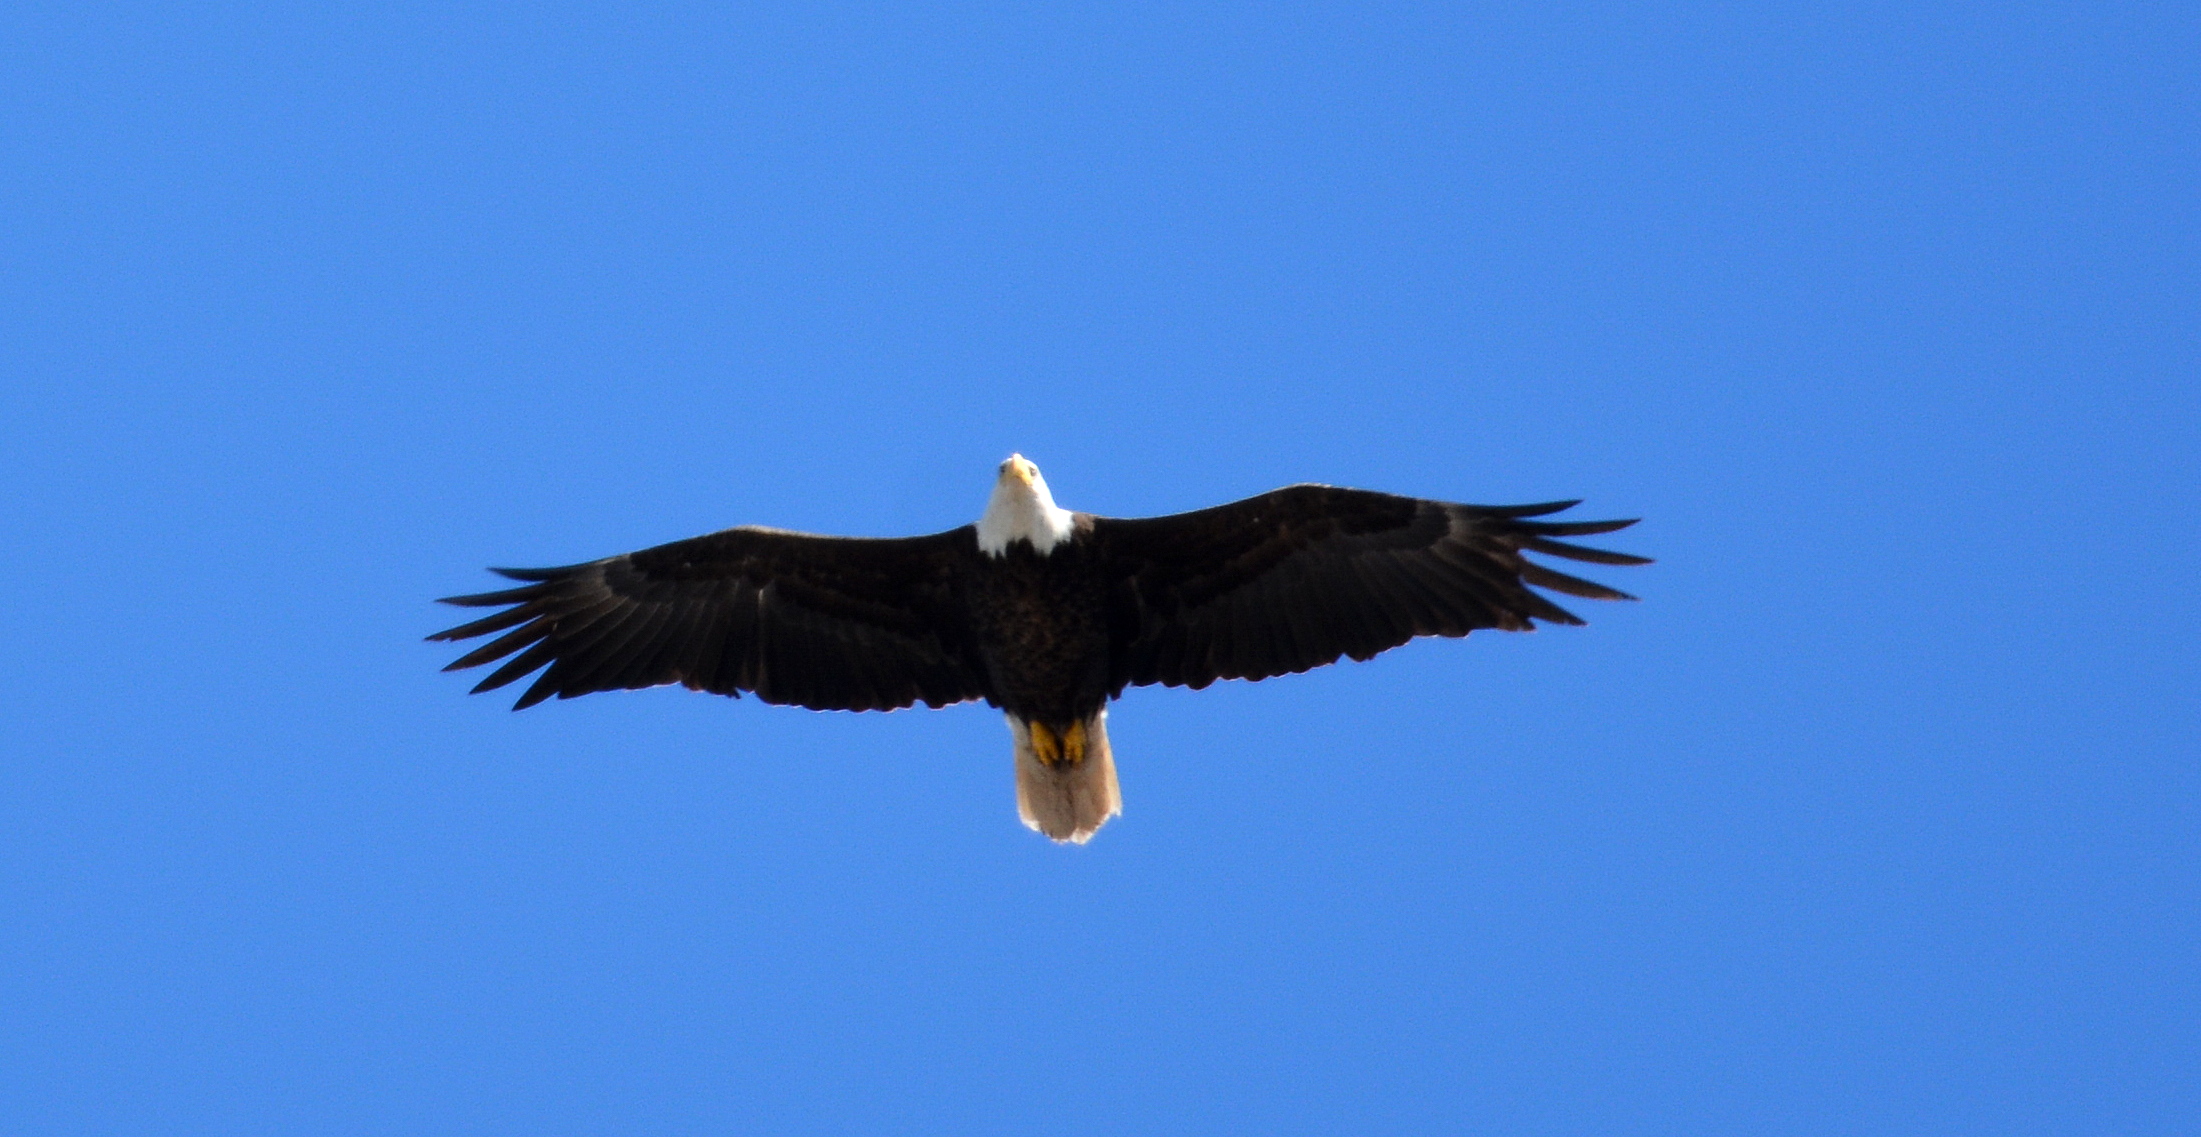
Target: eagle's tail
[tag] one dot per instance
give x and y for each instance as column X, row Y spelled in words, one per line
column 1065, row 777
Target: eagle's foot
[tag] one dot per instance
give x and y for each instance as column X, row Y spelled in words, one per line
column 1059, row 747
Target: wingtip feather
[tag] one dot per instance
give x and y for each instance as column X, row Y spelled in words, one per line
column 1538, row 509
column 1542, row 577
column 1582, row 552
column 492, row 599
column 1576, row 528
column 540, row 691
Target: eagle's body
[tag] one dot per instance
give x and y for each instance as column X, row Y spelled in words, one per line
column 1041, row 624
column 1044, row 613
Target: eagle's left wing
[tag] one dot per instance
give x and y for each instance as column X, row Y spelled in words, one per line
column 1297, row 577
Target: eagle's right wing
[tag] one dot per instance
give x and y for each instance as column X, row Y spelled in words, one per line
column 829, row 623
column 1297, row 577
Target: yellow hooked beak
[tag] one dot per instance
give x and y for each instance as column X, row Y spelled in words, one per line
column 1019, row 468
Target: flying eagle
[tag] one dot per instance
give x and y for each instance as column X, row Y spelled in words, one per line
column 1042, row 612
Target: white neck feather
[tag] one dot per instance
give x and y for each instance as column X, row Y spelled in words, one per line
column 1022, row 512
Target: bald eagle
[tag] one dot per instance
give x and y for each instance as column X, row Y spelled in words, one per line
column 1044, row 613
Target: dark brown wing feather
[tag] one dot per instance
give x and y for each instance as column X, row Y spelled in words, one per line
column 829, row 623
column 1300, row 576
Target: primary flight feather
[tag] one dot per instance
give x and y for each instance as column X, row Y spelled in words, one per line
column 1044, row 613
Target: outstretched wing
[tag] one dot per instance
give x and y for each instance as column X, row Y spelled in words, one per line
column 1297, row 577
column 829, row 623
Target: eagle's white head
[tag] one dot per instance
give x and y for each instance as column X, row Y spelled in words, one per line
column 1021, row 509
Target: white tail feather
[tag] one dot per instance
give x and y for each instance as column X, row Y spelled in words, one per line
column 1066, row 801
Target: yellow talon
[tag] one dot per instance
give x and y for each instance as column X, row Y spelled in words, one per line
column 1045, row 746
column 1065, row 746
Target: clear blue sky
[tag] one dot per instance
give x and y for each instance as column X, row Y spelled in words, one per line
column 1878, row 815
